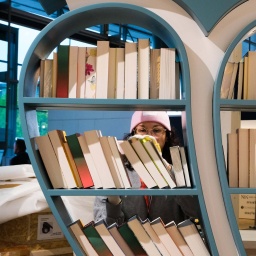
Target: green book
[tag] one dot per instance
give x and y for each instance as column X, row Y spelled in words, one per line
column 62, row 71
column 96, row 240
column 131, row 240
column 79, row 160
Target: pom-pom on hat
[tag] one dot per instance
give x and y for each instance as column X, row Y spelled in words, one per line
column 150, row 116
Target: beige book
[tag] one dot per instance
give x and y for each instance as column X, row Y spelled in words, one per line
column 119, row 64
column 57, row 138
column 142, row 236
column 233, row 81
column 165, row 238
column 178, row 239
column 154, row 237
column 143, row 68
column 72, row 73
column 51, row 162
column 185, row 166
column 245, row 85
column 94, row 145
column 243, row 157
column 111, row 73
column 154, row 73
column 232, row 159
column 226, row 80
column 251, row 93
column 252, row 157
column 81, row 62
column 193, row 238
column 240, row 79
column 76, row 229
column 130, row 71
column 102, row 67
column 54, row 74
column 137, row 164
column 47, row 80
column 103, row 231
column 167, row 87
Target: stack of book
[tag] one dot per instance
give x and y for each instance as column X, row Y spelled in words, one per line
column 91, row 160
column 133, row 72
column 137, row 237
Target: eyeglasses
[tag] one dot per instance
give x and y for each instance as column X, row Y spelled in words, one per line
column 157, row 131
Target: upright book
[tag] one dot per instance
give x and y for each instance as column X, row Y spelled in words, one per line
column 79, row 159
column 81, row 64
column 72, row 71
column 177, row 166
column 119, row 65
column 62, row 87
column 154, row 73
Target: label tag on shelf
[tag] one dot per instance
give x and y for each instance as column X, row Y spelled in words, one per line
column 48, row 228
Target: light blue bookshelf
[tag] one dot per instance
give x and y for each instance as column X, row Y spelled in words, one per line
column 43, row 45
column 229, row 105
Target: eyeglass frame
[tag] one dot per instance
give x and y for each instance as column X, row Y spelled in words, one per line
column 150, row 131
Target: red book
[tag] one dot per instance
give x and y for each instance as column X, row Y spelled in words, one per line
column 79, row 159
column 62, row 71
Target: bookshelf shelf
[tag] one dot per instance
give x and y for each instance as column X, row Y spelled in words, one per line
column 229, row 105
column 43, row 45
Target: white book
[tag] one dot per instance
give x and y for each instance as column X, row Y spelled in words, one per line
column 119, row 94
column 81, row 63
column 72, row 77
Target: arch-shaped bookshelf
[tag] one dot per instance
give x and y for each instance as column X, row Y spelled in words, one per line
column 43, row 45
column 230, row 105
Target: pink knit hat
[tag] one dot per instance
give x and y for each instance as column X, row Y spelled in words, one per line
column 150, row 116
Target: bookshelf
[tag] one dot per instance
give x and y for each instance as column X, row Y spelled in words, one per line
column 45, row 42
column 230, row 105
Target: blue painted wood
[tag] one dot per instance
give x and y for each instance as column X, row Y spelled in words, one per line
column 231, row 105
column 45, row 42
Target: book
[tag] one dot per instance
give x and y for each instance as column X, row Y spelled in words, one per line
column 119, row 64
column 252, row 157
column 103, row 231
column 95, row 239
column 143, row 68
column 246, row 206
column 233, row 81
column 185, row 166
column 157, row 159
column 90, row 72
column 193, row 238
column 130, row 71
column 134, row 223
column 177, row 166
column 137, row 164
column 72, row 69
column 79, row 159
column 167, row 86
column 94, row 145
column 243, row 157
column 50, row 161
column 158, row 226
column 62, row 87
column 245, row 80
column 154, row 237
column 54, row 74
column 177, row 238
column 232, row 159
column 47, row 77
column 148, row 163
column 57, row 138
column 113, row 230
column 111, row 162
column 226, row 80
column 41, row 81
column 102, row 67
column 111, row 90
column 72, row 164
column 251, row 91
column 81, row 64
column 131, row 239
column 154, row 73
column 240, row 79
column 76, row 229
column 89, row 160
column 114, row 145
